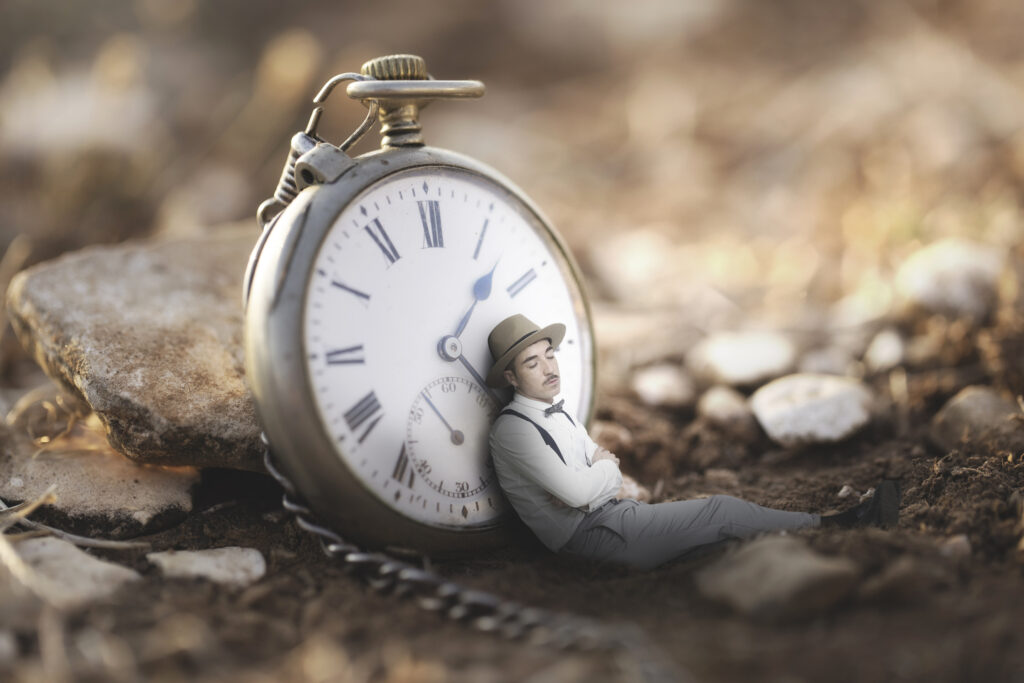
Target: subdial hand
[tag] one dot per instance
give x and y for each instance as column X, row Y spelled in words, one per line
column 457, row 436
column 481, row 290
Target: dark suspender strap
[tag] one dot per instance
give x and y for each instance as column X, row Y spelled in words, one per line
column 543, row 432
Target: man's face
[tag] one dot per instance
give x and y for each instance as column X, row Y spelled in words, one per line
column 534, row 372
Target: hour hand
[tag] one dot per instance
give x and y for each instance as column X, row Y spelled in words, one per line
column 481, row 290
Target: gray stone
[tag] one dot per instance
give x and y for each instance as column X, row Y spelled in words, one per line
column 664, row 385
column 231, row 566
column 806, row 409
column 150, row 336
column 99, row 491
column 952, row 276
column 905, row 580
column 978, row 415
column 68, row 577
column 778, row 577
column 742, row 358
column 727, row 409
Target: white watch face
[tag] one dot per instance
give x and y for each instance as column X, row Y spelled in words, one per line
column 409, row 281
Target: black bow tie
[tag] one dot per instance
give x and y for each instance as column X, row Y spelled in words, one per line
column 555, row 408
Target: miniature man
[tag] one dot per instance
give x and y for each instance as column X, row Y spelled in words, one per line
column 568, row 490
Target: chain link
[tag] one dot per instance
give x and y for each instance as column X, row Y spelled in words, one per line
column 636, row 655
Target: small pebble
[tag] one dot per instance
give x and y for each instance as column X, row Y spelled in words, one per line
column 663, row 385
column 885, row 352
column 956, row 547
column 846, row 491
column 232, row 566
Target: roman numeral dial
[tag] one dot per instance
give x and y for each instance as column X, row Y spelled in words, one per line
column 406, row 284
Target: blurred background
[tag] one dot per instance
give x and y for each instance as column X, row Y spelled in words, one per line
column 722, row 158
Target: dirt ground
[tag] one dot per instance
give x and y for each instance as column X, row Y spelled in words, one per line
column 780, row 156
column 918, row 614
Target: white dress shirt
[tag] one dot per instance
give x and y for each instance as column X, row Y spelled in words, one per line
column 551, row 497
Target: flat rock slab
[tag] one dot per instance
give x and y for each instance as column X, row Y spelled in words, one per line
column 806, row 409
column 979, row 416
column 149, row 335
column 778, row 577
column 231, row 566
column 68, row 577
column 99, row 491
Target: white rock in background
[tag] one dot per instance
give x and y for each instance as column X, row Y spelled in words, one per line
column 664, row 385
column 846, row 491
column 728, row 409
column 69, row 577
column 953, row 276
column 778, row 577
column 742, row 358
column 232, row 566
column 805, row 408
column 885, row 352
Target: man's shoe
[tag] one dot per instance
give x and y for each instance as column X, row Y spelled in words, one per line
column 882, row 509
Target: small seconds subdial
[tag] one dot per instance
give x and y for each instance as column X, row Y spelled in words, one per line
column 446, row 436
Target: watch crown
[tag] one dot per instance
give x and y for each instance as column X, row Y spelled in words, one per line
column 399, row 119
column 396, row 68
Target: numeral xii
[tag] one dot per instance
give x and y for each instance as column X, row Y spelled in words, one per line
column 430, row 217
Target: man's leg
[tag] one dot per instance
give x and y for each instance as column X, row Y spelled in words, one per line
column 654, row 534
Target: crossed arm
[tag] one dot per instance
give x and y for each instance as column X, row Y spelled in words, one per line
column 523, row 450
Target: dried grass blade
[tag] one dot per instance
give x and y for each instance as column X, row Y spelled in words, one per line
column 12, row 515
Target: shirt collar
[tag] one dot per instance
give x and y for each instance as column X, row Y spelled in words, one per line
column 530, row 402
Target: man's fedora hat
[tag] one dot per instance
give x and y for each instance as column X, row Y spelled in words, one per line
column 512, row 335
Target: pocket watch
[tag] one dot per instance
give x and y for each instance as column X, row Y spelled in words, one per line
column 369, row 297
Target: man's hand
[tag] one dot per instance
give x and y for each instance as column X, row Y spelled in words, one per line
column 604, row 454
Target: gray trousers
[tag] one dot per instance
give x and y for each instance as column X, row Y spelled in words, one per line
column 643, row 536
